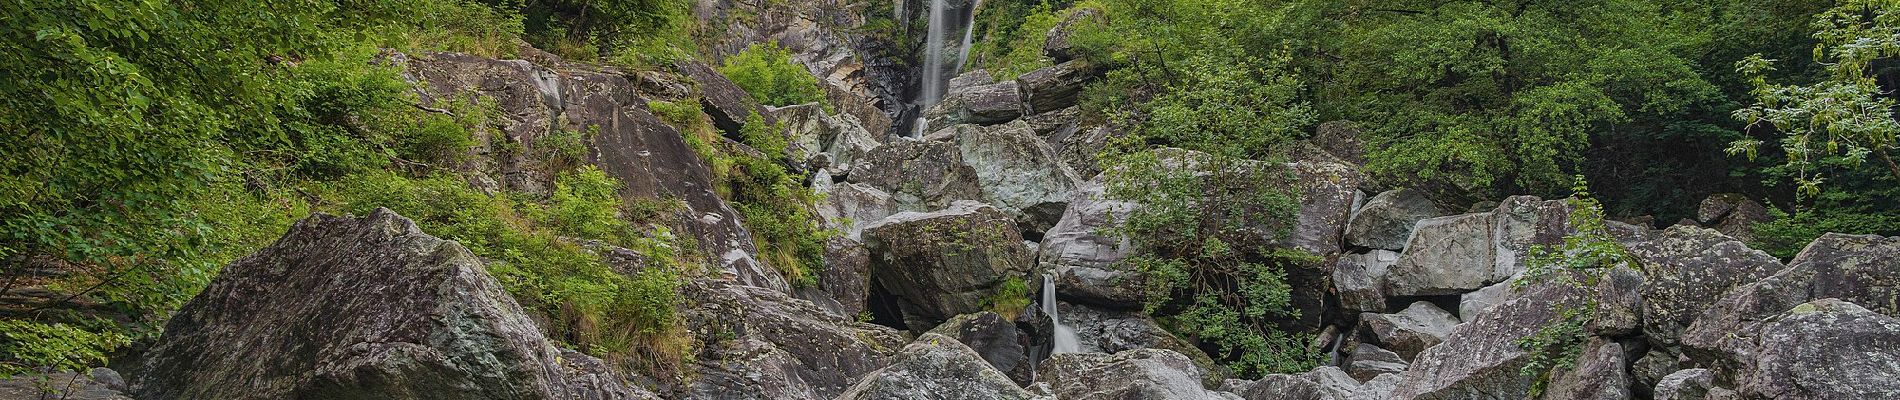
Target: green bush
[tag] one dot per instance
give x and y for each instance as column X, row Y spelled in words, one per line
column 27, row 345
column 768, row 73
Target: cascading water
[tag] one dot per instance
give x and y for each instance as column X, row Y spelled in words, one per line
column 1063, row 340
column 934, row 75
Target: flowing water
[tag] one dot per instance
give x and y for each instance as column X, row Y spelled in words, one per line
column 934, row 74
column 1064, row 339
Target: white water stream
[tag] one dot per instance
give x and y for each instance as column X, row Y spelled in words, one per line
column 1063, row 340
column 934, row 74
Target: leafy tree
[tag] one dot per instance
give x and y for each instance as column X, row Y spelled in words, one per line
column 768, row 73
column 1848, row 114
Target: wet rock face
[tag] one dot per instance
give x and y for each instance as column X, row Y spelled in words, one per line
column 366, row 307
column 1686, row 267
column 1129, row 375
column 946, row 262
column 649, row 158
column 936, row 367
column 758, row 343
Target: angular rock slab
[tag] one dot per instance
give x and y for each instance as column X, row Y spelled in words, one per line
column 946, row 262
column 1357, row 278
column 936, row 367
column 367, row 307
column 1825, row 349
column 1085, row 258
column 1018, row 173
column 982, row 105
column 1481, row 358
column 1369, row 361
column 1420, row 326
column 994, row 338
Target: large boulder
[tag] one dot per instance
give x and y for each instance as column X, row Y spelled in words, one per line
column 1144, row 374
column 1825, row 349
column 757, row 343
column 993, row 337
column 823, row 141
column 1323, row 383
column 1688, row 384
column 850, row 206
column 1018, row 173
column 1856, row 268
column 844, row 285
column 1462, row 253
column 1085, row 258
column 936, row 367
column 1386, row 221
column 945, row 262
column 367, row 307
column 1687, row 266
column 1111, row 331
column 1481, row 358
column 1328, row 192
column 981, row 105
column 1055, row 87
column 1420, row 326
column 919, row 175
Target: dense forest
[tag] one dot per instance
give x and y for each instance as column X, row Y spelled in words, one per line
column 153, row 142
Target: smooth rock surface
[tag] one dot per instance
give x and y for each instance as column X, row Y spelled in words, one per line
column 944, row 263
column 1386, row 220
column 936, row 367
column 1408, row 332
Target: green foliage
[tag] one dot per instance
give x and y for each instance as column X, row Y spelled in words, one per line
column 585, row 204
column 631, row 32
column 30, row 345
column 1013, row 34
column 1585, row 256
column 776, row 207
column 1789, row 233
column 1010, row 299
column 768, row 73
column 1847, row 115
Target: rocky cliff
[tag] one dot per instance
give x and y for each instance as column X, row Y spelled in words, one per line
column 925, row 289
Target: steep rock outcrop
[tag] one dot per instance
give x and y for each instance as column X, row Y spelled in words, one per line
column 649, row 158
column 367, row 307
column 1684, row 268
column 1863, row 270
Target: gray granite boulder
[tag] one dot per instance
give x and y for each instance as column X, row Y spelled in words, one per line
column 1386, row 220
column 1420, row 326
column 1687, row 267
column 946, row 262
column 936, row 367
column 1142, row 374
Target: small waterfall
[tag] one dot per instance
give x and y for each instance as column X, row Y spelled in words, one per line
column 969, row 29
column 1063, row 340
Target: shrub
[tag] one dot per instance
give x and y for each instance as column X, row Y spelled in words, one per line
column 768, row 73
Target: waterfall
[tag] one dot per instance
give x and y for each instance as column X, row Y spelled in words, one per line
column 969, row 29
column 1063, row 340
column 933, row 55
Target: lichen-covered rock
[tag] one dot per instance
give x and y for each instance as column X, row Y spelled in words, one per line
column 1481, row 358
column 1328, row 191
column 367, row 307
column 1379, row 388
column 97, row 384
column 1283, row 387
column 981, row 105
column 1144, row 374
column 845, row 282
column 1386, row 221
column 1018, row 173
column 1420, row 326
column 971, row 79
column 810, row 132
column 852, row 206
column 1078, row 147
column 994, row 338
column 1688, row 384
column 1470, row 305
column 1599, row 374
column 1619, row 310
column 945, row 262
column 1446, row 255
column 1341, row 139
column 757, row 343
column 936, row 367
column 1861, row 269
column 1825, row 349
column 1357, row 278
column 1684, row 269
column 1369, row 361
column 1055, row 87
